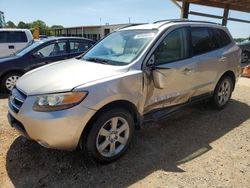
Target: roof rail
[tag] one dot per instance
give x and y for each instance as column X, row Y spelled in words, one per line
column 183, row 20
column 129, row 25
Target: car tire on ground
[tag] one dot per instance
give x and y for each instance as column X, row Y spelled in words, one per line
column 110, row 135
column 8, row 81
column 222, row 92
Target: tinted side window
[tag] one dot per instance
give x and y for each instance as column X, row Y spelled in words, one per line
column 77, row 47
column 221, row 37
column 54, row 49
column 3, row 37
column 174, row 47
column 19, row 36
column 201, row 40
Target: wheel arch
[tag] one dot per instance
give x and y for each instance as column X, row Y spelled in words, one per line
column 12, row 71
column 115, row 104
column 231, row 74
column 2, row 87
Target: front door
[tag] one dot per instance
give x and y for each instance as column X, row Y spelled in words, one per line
column 49, row 53
column 173, row 76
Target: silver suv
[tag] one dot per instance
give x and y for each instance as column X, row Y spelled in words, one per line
column 97, row 100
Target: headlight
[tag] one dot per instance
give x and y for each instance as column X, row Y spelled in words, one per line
column 60, row 101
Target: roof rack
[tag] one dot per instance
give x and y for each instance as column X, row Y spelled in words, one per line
column 129, row 25
column 183, row 20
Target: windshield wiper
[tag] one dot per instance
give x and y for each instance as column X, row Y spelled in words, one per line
column 98, row 60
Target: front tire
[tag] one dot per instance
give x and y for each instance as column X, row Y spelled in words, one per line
column 8, row 81
column 222, row 92
column 110, row 135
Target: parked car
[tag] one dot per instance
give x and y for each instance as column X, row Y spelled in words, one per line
column 96, row 101
column 39, row 53
column 245, row 47
column 12, row 40
column 43, row 36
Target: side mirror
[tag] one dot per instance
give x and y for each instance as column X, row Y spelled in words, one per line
column 36, row 55
column 158, row 76
column 159, row 79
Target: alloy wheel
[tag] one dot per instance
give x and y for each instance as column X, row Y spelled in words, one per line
column 112, row 137
column 11, row 81
column 224, row 92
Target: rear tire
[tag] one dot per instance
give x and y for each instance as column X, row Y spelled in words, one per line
column 8, row 81
column 109, row 136
column 222, row 92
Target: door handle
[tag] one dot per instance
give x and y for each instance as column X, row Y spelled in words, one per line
column 187, row 71
column 223, row 59
column 11, row 46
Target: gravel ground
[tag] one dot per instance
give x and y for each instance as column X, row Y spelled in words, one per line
column 197, row 147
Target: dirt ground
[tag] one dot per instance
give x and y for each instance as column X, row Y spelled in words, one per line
column 197, row 147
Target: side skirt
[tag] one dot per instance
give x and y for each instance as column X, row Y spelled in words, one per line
column 163, row 113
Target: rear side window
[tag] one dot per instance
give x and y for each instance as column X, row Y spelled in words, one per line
column 13, row 37
column 221, row 37
column 3, row 37
column 201, row 40
column 78, row 46
column 19, row 36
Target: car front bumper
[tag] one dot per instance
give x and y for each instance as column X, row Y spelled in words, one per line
column 57, row 130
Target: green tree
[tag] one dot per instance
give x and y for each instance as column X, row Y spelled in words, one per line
column 22, row 25
column 41, row 25
column 10, row 24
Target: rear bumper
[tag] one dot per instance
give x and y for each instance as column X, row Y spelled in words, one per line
column 57, row 130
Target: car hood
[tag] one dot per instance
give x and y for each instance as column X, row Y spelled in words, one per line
column 65, row 75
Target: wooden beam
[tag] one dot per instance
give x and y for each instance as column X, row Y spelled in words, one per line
column 205, row 15
column 219, row 4
column 239, row 20
column 184, row 9
column 177, row 4
column 225, row 16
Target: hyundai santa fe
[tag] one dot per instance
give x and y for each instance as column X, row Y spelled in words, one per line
column 96, row 101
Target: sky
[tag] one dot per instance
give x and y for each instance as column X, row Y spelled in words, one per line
column 70, row 13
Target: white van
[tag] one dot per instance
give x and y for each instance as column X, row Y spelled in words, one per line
column 12, row 40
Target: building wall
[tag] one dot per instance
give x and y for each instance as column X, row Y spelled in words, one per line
column 91, row 32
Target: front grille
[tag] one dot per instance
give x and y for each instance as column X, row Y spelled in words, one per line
column 16, row 99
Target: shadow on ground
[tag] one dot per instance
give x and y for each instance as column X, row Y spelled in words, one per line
column 3, row 96
column 157, row 146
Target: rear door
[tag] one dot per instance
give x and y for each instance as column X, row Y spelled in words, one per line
column 48, row 53
column 20, row 40
column 7, row 45
column 210, row 57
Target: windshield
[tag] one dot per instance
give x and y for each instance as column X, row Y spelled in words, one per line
column 30, row 46
column 121, row 47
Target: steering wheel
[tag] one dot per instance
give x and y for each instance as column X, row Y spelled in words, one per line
column 40, row 54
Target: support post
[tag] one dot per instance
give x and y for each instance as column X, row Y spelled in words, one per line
column 225, row 16
column 184, row 9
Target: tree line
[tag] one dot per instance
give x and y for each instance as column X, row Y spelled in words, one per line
column 41, row 25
